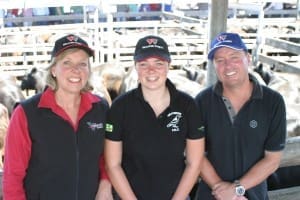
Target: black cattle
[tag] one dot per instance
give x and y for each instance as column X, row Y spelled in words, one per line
column 284, row 177
column 33, row 81
column 265, row 74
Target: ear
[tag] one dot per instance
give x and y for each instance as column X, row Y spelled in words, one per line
column 53, row 71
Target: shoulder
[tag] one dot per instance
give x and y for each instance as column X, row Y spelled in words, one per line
column 123, row 100
column 270, row 94
column 32, row 100
column 204, row 93
column 125, row 96
column 184, row 96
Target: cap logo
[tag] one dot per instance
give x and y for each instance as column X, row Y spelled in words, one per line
column 151, row 41
column 72, row 38
column 221, row 38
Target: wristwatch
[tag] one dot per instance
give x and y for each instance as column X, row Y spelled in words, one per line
column 239, row 189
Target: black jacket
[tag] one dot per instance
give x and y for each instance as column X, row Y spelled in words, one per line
column 64, row 163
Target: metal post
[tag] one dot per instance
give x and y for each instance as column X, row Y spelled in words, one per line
column 298, row 9
column 217, row 24
column 259, row 38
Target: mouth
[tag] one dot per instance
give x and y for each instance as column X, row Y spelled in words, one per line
column 152, row 78
column 230, row 73
column 74, row 80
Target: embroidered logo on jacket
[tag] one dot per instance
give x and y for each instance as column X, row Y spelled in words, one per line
column 94, row 126
column 253, row 123
column 109, row 128
column 175, row 118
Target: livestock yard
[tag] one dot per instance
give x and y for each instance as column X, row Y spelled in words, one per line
column 274, row 43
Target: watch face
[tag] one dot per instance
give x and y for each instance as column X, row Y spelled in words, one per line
column 240, row 191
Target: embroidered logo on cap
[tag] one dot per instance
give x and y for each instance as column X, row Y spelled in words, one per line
column 72, row 38
column 151, row 41
column 221, row 38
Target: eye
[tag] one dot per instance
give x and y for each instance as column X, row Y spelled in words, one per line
column 83, row 65
column 219, row 61
column 159, row 63
column 66, row 62
column 142, row 64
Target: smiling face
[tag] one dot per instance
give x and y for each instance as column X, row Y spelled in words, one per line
column 71, row 71
column 152, row 73
column 231, row 66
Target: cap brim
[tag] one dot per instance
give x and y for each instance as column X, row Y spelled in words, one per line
column 212, row 51
column 145, row 55
column 87, row 49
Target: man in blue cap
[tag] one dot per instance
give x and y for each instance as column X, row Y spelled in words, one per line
column 245, row 127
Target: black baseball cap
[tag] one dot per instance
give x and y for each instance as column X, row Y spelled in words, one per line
column 68, row 42
column 151, row 46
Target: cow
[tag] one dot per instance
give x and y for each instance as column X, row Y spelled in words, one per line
column 266, row 75
column 34, row 80
column 284, row 177
column 112, row 76
column 10, row 94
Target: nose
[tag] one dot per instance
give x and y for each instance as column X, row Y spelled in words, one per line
column 76, row 67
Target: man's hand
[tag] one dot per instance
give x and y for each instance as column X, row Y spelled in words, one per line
column 224, row 191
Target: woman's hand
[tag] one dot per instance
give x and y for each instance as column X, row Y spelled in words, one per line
column 104, row 191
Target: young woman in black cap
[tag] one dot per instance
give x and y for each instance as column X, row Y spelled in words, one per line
column 154, row 141
column 55, row 139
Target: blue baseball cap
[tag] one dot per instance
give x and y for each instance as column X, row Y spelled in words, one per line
column 230, row 40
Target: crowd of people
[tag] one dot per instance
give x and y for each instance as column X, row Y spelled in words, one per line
column 153, row 142
column 33, row 13
column 77, row 10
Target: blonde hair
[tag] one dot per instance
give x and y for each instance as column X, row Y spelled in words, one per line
column 51, row 80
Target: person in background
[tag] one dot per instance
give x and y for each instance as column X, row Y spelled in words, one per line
column 245, row 126
column 54, row 143
column 27, row 12
column 154, row 141
column 39, row 13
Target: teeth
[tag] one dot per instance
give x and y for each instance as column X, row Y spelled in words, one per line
column 230, row 73
column 152, row 78
column 74, row 79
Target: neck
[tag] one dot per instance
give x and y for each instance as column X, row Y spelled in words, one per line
column 159, row 100
column 238, row 96
column 244, row 89
column 155, row 95
column 67, row 100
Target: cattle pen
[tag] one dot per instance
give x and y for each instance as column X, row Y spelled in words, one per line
column 277, row 46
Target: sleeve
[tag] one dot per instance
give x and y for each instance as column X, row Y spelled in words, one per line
column 16, row 157
column 195, row 123
column 114, row 121
column 277, row 129
column 103, row 173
